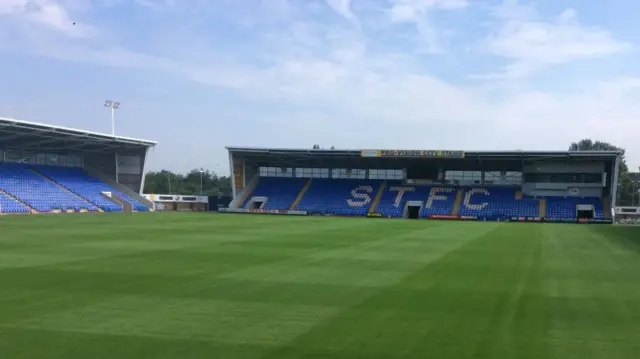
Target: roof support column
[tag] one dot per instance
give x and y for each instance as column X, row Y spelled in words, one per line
column 614, row 182
column 232, row 175
column 115, row 156
column 144, row 170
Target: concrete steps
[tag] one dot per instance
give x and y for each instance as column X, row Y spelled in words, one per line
column 378, row 197
column 542, row 208
column 456, row 205
column 300, row 195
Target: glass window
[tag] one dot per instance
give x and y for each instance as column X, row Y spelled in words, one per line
column 31, row 158
column 74, row 161
column 283, row 172
column 387, row 174
column 563, row 177
column 13, row 156
column 593, row 178
column 53, row 159
column 312, row 172
column 348, row 173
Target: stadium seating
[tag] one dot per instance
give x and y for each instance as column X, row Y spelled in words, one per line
column 349, row 197
column 51, row 188
column 344, row 197
column 435, row 200
column 38, row 192
column 565, row 207
column 281, row 192
column 10, row 205
column 91, row 188
column 497, row 202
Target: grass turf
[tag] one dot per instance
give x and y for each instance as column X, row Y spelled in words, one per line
column 251, row 286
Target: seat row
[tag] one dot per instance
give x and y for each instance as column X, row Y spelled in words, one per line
column 51, row 188
column 350, row 197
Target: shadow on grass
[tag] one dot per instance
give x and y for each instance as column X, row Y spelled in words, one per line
column 624, row 236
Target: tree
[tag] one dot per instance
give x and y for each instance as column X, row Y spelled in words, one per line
column 167, row 182
column 626, row 193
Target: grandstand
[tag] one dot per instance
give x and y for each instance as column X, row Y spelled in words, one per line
column 51, row 169
column 555, row 186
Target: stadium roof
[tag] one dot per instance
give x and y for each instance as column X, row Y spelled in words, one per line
column 461, row 160
column 473, row 154
column 23, row 135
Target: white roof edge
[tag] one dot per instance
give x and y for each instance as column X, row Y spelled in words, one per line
column 53, row 127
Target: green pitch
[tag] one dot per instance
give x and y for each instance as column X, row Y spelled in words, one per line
column 250, row 286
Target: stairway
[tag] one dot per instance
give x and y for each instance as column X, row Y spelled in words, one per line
column 606, row 208
column 65, row 188
column 246, row 192
column 31, row 209
column 456, row 205
column 127, row 207
column 542, row 208
column 300, row 195
column 377, row 198
column 518, row 195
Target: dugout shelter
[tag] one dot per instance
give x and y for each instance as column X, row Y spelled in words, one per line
column 180, row 203
column 118, row 161
column 554, row 175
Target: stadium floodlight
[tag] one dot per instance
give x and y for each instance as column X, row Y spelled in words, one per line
column 113, row 105
column 201, row 172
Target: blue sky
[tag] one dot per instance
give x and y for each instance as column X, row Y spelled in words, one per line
column 197, row 75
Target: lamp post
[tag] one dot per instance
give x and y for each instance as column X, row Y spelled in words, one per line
column 113, row 105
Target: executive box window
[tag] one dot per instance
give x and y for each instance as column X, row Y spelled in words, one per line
column 563, row 177
column 312, row 173
column 275, row 172
column 463, row 177
column 348, row 173
column 386, row 174
column 42, row 158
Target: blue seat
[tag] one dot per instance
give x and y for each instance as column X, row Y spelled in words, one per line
column 10, row 205
column 41, row 194
column 565, row 207
column 49, row 188
column 91, row 188
column 343, row 197
column 281, row 192
column 353, row 197
column 497, row 202
column 436, row 200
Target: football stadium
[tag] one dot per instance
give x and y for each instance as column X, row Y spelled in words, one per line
column 509, row 255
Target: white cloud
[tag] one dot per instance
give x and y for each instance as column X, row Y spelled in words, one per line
column 342, row 7
column 418, row 13
column 533, row 44
column 329, row 82
column 413, row 10
column 48, row 14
